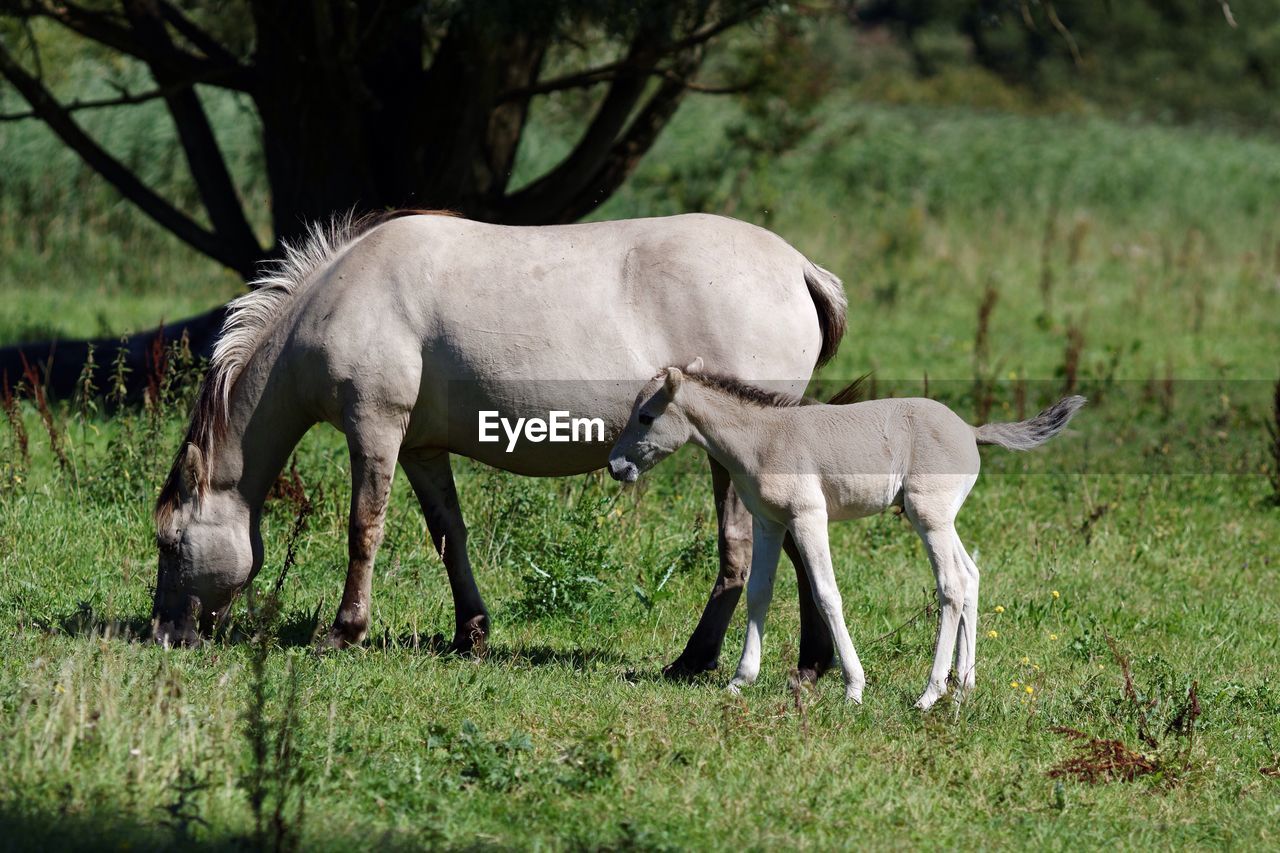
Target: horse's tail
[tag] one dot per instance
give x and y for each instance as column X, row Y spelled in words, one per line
column 1028, row 435
column 827, row 293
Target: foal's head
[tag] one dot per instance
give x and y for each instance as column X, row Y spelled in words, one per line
column 207, row 552
column 657, row 428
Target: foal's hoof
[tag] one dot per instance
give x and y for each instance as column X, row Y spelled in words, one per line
column 927, row 701
column 853, row 694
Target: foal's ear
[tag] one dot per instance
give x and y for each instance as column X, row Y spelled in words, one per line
column 695, row 366
column 674, row 378
column 192, row 470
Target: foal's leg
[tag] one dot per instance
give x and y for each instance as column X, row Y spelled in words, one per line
column 766, row 545
column 810, row 532
column 702, row 652
column 432, row 481
column 374, row 446
column 950, row 577
column 816, row 648
column 967, row 635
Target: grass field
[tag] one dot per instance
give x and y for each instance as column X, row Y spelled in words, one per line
column 1140, row 263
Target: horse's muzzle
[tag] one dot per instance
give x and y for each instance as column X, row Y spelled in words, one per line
column 175, row 620
column 623, row 470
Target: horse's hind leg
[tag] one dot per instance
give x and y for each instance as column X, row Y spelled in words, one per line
column 432, row 480
column 374, row 446
column 950, row 576
column 967, row 635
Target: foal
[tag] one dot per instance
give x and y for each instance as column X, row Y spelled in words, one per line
column 798, row 466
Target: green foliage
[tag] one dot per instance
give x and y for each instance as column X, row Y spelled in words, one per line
column 475, row 760
column 1151, row 520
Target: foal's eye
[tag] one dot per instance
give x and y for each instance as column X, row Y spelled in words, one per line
column 645, row 420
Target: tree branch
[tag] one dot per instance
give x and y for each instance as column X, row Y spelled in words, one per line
column 627, row 152
column 107, row 30
column 612, row 70
column 204, row 157
column 192, row 32
column 124, row 100
column 126, row 183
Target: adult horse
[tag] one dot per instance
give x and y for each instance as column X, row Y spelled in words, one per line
column 400, row 330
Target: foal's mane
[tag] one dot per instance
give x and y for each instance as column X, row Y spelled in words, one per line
column 745, row 391
column 755, row 395
column 249, row 318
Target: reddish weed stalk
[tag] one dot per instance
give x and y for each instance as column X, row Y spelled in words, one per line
column 31, row 375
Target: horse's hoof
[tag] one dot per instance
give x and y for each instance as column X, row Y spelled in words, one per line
column 853, row 695
column 734, row 688
column 470, row 638
column 341, row 637
column 682, row 669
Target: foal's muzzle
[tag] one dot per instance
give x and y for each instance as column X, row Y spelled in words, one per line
column 623, row 470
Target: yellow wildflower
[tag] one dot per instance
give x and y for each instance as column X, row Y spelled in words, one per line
column 999, row 608
column 1053, row 636
column 1030, row 689
column 1026, row 660
column 1055, row 594
column 1013, row 684
column 991, row 635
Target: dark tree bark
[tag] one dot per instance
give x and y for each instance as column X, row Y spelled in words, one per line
column 371, row 105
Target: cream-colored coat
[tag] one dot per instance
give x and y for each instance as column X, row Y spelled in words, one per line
column 796, row 467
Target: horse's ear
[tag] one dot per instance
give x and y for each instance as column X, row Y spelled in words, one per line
column 192, row 469
column 695, row 366
column 674, row 378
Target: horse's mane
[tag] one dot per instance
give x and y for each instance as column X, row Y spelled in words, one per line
column 249, row 318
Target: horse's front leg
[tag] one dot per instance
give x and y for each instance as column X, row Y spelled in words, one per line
column 766, row 545
column 702, row 652
column 432, row 481
column 374, row 448
column 810, row 532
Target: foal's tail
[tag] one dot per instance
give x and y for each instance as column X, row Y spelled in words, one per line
column 827, row 293
column 1028, row 435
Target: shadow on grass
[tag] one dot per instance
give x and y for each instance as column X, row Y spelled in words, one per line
column 302, row 629
column 28, row 828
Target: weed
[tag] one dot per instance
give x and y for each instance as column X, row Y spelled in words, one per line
column 651, row 587
column 182, row 814
column 20, row 460
column 983, row 380
column 1273, row 445
column 563, row 577
column 589, row 765
column 1070, row 368
column 31, row 375
column 275, row 781
column 481, row 762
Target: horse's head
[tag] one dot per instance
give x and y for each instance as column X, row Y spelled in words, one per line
column 206, row 552
column 657, row 427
